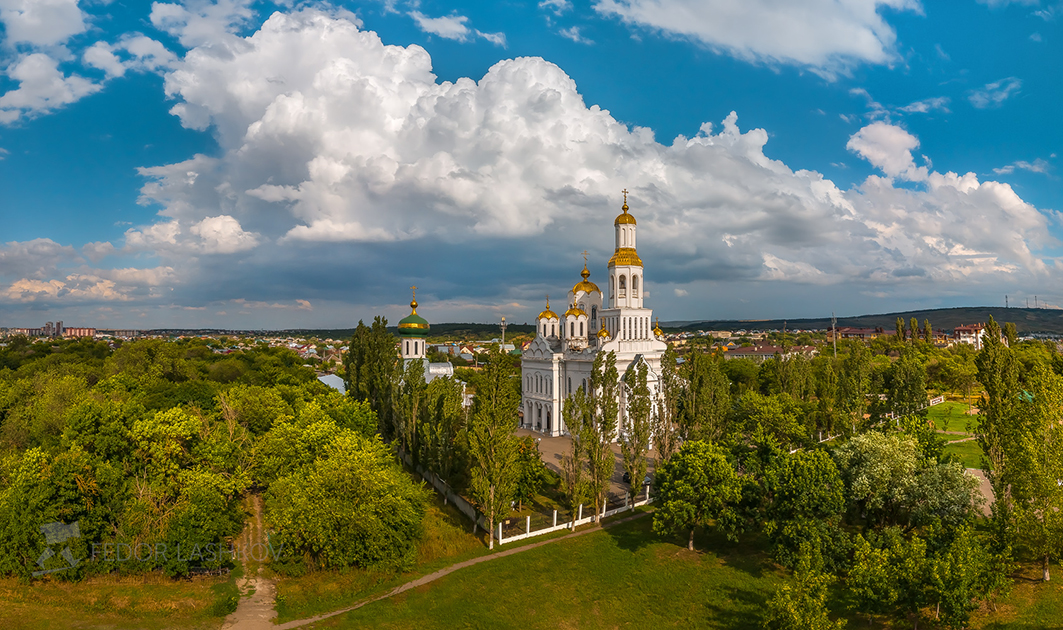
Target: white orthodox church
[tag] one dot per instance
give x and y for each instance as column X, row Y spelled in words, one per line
column 558, row 361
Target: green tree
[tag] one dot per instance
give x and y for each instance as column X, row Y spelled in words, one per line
column 253, row 406
column 666, row 427
column 997, row 431
column 900, row 329
column 878, row 470
column 804, row 498
column 802, row 603
column 907, row 376
column 928, row 333
column 890, row 578
column 353, row 505
column 597, row 435
column 531, row 472
column 696, row 487
column 708, row 398
column 410, row 409
column 445, row 434
column 492, row 445
column 1011, row 334
column 635, row 440
column 778, row 415
column 855, row 384
column 1038, row 467
column 577, row 411
column 913, row 326
column 369, row 370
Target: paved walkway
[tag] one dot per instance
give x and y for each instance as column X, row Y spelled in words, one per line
column 432, row 577
column 553, row 448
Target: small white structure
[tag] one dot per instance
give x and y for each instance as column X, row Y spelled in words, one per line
column 560, row 358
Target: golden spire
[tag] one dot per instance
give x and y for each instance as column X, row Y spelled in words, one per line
column 624, row 217
column 625, row 199
column 413, row 302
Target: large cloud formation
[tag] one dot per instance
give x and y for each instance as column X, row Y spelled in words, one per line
column 338, row 150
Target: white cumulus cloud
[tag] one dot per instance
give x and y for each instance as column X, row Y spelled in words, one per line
column 42, row 88
column 40, row 22
column 889, row 148
column 825, row 35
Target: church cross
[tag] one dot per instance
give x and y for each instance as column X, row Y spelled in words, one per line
column 584, row 252
column 625, row 195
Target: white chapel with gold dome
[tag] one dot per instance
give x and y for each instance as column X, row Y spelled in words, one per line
column 559, row 360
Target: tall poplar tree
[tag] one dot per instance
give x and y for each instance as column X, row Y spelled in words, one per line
column 635, row 440
column 666, row 428
column 369, row 367
column 602, row 430
column 708, row 398
column 999, row 375
column 492, row 445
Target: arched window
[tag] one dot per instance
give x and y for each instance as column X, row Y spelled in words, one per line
column 634, row 286
column 581, row 329
column 570, row 385
column 594, row 314
column 553, row 330
column 623, row 287
column 572, row 329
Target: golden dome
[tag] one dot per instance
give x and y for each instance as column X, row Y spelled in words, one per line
column 625, row 218
column 575, row 311
column 585, row 285
column 625, row 256
column 603, row 333
column 657, row 329
column 548, row 314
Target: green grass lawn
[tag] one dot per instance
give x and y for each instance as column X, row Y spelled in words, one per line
column 970, row 453
column 952, row 416
column 141, row 601
column 621, row 577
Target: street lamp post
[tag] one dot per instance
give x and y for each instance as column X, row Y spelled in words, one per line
column 503, row 333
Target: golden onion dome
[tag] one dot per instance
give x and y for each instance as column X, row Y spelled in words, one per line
column 625, row 256
column 657, row 329
column 624, row 218
column 548, row 314
column 585, row 285
column 575, row 311
column 603, row 333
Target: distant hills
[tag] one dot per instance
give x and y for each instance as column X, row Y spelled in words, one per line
column 1026, row 320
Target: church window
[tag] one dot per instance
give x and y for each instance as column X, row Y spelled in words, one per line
column 581, row 329
column 623, row 285
column 553, row 330
column 634, row 286
column 572, row 329
column 570, row 385
column 594, row 314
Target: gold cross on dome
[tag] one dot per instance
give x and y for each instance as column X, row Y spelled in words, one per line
column 584, row 252
column 414, row 289
column 625, row 194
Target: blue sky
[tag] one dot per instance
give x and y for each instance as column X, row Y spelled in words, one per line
column 247, row 164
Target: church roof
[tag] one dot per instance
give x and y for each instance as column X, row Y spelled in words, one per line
column 548, row 314
column 575, row 311
column 413, row 325
column 585, row 285
column 625, row 256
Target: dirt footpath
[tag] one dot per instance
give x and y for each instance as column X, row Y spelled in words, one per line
column 256, row 608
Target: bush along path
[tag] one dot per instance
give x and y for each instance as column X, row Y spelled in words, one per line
column 256, row 609
column 432, row 577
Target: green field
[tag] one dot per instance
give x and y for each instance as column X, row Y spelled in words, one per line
column 970, row 453
column 627, row 577
column 952, row 416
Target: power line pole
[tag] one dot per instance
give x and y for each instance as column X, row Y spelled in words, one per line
column 834, row 332
column 503, row 334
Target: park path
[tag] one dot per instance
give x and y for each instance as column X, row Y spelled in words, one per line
column 432, row 577
column 256, row 608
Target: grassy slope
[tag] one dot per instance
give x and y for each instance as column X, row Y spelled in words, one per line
column 619, row 577
column 149, row 601
column 629, row 578
column 448, row 539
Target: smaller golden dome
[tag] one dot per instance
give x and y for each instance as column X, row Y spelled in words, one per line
column 657, row 329
column 548, row 314
column 603, row 333
column 585, row 285
column 575, row 311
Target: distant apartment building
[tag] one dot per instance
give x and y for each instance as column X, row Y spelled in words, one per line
column 79, row 333
column 971, row 335
column 761, row 353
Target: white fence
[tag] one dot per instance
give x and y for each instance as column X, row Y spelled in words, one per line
column 580, row 520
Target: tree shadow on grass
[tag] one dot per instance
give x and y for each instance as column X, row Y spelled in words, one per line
column 744, row 611
column 635, row 535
